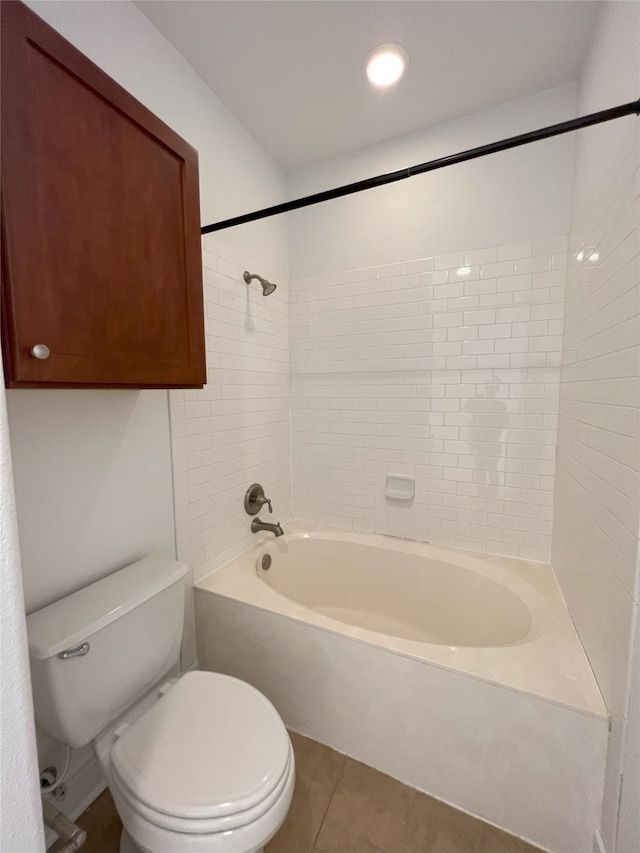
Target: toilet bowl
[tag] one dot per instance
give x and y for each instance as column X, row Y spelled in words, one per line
column 202, row 765
column 196, row 764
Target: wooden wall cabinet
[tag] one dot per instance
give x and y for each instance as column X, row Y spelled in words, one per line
column 101, row 258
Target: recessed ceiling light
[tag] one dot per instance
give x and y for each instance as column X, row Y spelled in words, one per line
column 386, row 65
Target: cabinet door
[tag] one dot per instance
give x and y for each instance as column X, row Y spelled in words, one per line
column 101, row 225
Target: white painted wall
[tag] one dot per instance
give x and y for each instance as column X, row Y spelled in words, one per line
column 597, row 499
column 20, row 811
column 93, row 469
column 512, row 197
column 93, row 484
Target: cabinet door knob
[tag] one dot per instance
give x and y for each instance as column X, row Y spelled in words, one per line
column 40, row 351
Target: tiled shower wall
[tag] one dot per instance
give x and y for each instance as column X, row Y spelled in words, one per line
column 445, row 369
column 235, row 431
column 597, row 502
column 598, row 486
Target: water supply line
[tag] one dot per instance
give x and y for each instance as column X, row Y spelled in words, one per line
column 47, row 786
column 69, row 833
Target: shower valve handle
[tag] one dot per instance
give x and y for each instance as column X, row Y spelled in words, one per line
column 255, row 499
column 261, row 501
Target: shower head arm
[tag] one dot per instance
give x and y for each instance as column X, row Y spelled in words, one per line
column 248, row 277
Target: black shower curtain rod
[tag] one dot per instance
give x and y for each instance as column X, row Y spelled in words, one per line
column 440, row 163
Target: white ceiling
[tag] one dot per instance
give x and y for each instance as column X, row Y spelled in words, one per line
column 291, row 70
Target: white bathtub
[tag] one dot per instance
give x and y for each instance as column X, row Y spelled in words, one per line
column 401, row 593
column 456, row 673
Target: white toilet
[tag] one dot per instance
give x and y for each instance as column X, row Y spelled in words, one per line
column 198, row 764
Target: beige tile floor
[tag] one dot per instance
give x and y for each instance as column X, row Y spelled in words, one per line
column 343, row 806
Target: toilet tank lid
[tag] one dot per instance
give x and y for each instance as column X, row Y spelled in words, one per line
column 73, row 619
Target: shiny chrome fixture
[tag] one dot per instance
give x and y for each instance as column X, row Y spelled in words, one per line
column 267, row 286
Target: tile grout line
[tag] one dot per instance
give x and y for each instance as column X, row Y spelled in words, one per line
column 326, row 811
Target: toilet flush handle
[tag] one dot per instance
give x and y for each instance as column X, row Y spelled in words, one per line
column 75, row 653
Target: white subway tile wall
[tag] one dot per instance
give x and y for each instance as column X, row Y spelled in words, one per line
column 236, row 430
column 597, row 503
column 445, row 369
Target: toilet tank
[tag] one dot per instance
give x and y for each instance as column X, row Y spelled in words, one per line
column 132, row 623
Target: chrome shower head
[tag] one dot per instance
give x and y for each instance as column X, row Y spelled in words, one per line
column 267, row 286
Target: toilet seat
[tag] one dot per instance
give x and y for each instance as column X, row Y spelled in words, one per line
column 147, row 837
column 207, row 826
column 211, row 755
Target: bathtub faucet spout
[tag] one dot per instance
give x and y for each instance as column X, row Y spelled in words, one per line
column 257, row 526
